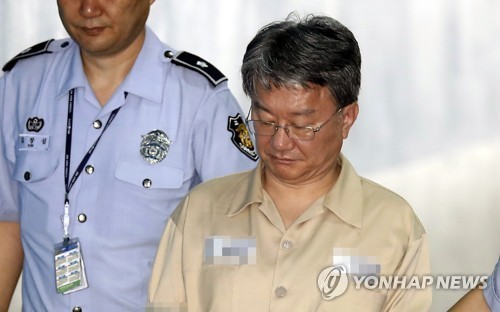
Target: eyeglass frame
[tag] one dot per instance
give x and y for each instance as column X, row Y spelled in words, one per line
column 286, row 128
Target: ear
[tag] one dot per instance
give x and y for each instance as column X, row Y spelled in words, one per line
column 349, row 116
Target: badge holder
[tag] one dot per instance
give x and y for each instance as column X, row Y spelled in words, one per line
column 69, row 267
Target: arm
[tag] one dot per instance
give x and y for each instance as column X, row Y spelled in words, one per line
column 11, row 260
column 472, row 301
column 414, row 263
column 166, row 286
column 217, row 142
column 487, row 299
column 11, row 254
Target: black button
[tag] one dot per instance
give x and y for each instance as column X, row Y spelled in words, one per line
column 77, row 309
column 64, row 44
column 168, row 54
column 82, row 218
column 27, row 176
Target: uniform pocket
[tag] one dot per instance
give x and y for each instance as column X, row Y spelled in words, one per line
column 34, row 166
column 150, row 176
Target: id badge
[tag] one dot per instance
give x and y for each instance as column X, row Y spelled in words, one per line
column 69, row 267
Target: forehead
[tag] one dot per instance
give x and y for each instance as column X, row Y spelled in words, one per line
column 293, row 99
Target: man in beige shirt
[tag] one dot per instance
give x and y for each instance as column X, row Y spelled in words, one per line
column 301, row 232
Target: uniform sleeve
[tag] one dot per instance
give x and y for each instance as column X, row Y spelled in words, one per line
column 492, row 290
column 8, row 186
column 221, row 141
column 414, row 263
column 166, row 286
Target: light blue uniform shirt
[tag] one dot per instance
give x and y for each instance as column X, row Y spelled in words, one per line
column 118, row 210
column 492, row 290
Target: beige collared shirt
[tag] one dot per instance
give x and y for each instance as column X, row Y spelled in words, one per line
column 226, row 249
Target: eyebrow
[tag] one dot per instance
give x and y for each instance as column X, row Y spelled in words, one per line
column 305, row 112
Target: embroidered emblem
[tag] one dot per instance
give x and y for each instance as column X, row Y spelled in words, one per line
column 241, row 136
column 34, row 124
column 155, row 146
column 201, row 64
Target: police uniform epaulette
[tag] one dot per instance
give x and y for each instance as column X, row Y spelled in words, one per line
column 198, row 64
column 37, row 49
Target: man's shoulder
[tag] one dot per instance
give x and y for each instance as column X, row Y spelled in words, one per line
column 380, row 192
column 221, row 186
column 196, row 65
column 39, row 52
column 388, row 206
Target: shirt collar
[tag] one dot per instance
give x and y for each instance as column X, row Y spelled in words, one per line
column 345, row 199
column 249, row 193
column 146, row 78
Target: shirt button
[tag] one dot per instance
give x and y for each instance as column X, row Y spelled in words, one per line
column 77, row 309
column 97, row 124
column 82, row 218
column 280, row 291
column 147, row 183
column 89, row 169
column 27, row 176
column 168, row 54
column 287, row 244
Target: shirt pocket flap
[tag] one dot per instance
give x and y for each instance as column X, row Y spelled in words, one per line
column 34, row 166
column 158, row 176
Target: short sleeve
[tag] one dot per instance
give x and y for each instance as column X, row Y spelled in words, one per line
column 8, row 186
column 492, row 290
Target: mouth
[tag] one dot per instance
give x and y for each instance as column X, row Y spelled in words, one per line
column 282, row 160
column 92, row 31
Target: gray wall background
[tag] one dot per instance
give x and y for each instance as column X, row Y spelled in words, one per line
column 428, row 126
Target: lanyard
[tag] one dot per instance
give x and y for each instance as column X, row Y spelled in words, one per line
column 67, row 182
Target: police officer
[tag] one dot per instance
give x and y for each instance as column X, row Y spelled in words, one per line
column 101, row 136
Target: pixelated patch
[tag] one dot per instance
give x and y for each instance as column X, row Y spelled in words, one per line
column 230, row 251
column 240, row 136
column 355, row 263
column 37, row 49
column 198, row 64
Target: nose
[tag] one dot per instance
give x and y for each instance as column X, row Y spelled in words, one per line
column 281, row 141
column 90, row 8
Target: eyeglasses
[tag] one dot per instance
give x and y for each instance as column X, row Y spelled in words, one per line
column 301, row 133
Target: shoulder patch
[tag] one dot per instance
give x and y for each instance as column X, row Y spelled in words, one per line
column 240, row 136
column 40, row 48
column 198, row 64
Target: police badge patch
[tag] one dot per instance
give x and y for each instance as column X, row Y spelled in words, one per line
column 155, row 146
column 241, row 136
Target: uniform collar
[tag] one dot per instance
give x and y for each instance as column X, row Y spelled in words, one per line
column 345, row 199
column 146, row 78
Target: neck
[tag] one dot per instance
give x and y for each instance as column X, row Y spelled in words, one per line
column 106, row 72
column 291, row 200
